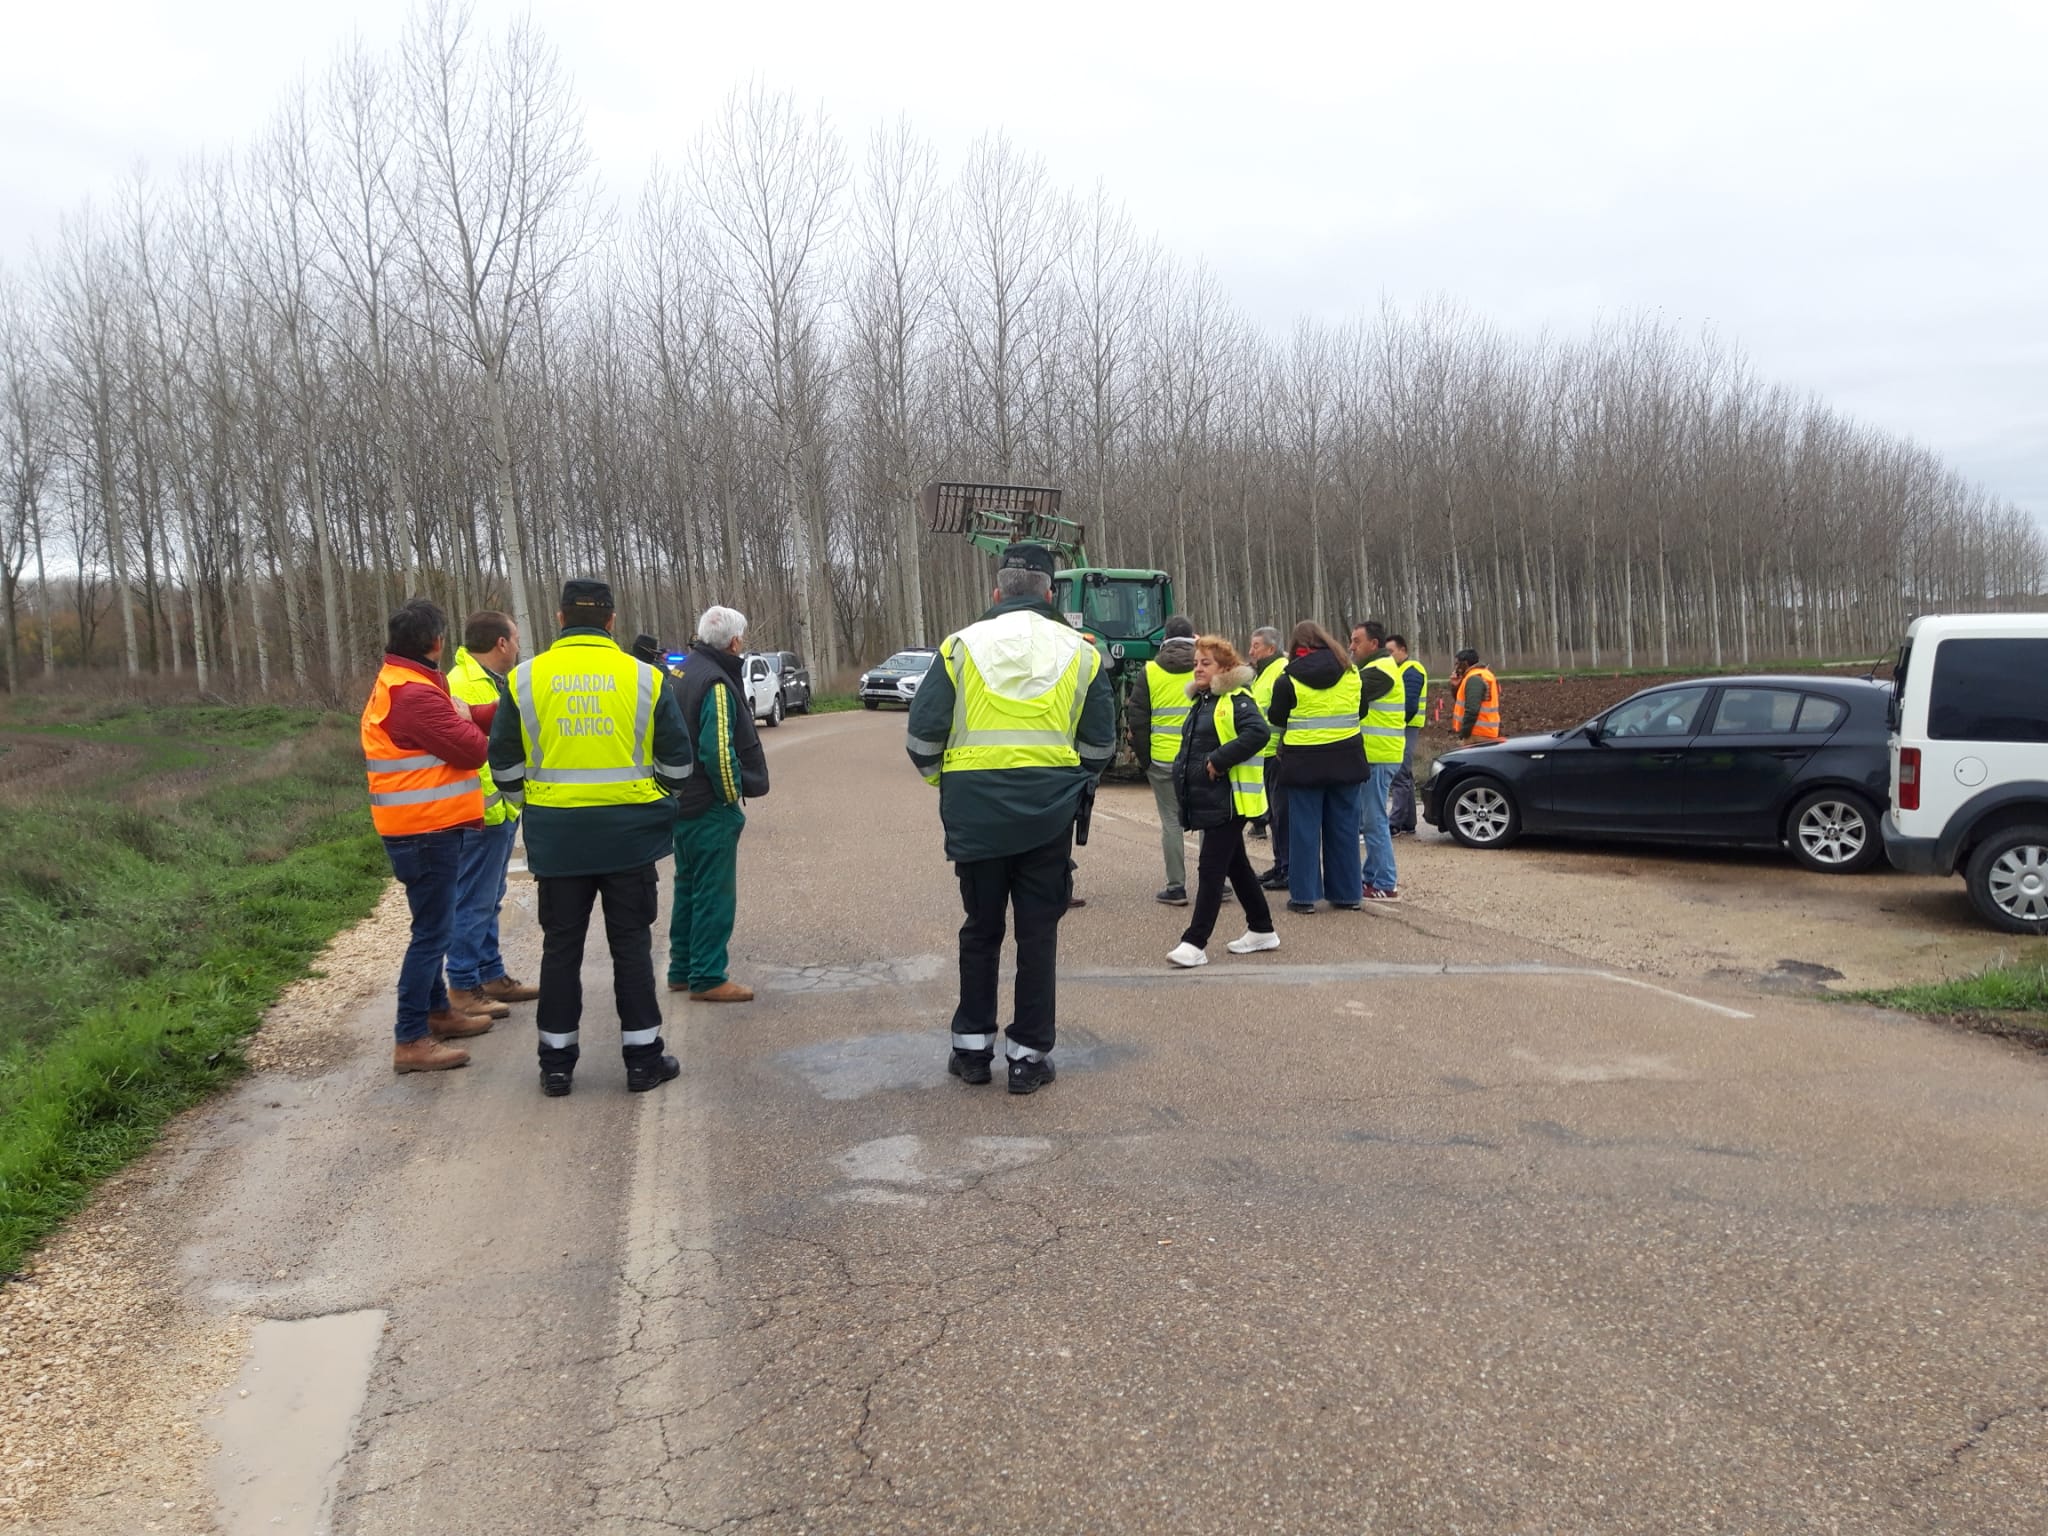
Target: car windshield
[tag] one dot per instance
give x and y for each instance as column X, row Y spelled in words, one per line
column 907, row 661
column 1122, row 609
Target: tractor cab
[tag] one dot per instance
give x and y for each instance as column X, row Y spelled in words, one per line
column 1123, row 612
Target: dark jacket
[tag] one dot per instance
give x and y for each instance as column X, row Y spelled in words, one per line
column 996, row 813
column 596, row 839
column 727, row 763
column 1207, row 802
column 1176, row 655
column 1330, row 762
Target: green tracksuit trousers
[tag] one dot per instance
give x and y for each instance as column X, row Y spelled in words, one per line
column 706, row 895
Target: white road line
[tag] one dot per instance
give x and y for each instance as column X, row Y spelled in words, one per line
column 1359, row 970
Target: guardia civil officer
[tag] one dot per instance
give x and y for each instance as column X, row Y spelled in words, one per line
column 1014, row 723
column 593, row 744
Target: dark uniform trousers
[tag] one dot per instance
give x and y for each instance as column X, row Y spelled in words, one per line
column 631, row 897
column 1276, row 810
column 1036, row 884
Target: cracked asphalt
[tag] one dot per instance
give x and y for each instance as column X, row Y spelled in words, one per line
column 1415, row 1225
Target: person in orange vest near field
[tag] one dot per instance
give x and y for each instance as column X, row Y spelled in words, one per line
column 422, row 748
column 1476, row 714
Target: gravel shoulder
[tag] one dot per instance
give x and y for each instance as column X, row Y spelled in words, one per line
column 107, row 1369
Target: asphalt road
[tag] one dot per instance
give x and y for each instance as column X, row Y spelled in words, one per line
column 1412, row 1226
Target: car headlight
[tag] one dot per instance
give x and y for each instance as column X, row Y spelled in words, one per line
column 863, row 679
column 909, row 684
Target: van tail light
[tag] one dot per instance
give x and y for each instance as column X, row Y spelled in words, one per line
column 1909, row 778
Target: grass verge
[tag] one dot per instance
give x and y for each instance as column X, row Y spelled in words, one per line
column 833, row 703
column 147, row 932
column 1737, row 669
column 2008, row 1000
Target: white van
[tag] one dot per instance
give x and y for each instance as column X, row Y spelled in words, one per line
column 1969, row 750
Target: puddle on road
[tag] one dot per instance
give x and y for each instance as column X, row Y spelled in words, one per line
column 889, row 1169
column 286, row 1420
column 916, row 1058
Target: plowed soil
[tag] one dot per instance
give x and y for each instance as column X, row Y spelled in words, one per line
column 1530, row 706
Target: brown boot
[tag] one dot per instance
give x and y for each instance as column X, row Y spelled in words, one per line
column 453, row 1024
column 724, row 992
column 476, row 1000
column 506, row 990
column 428, row 1055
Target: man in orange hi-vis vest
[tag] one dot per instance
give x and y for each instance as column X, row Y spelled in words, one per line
column 1476, row 714
column 421, row 749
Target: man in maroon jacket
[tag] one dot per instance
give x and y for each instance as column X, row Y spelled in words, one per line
column 421, row 749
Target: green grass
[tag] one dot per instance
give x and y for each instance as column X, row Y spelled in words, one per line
column 833, row 703
column 2007, row 995
column 146, row 931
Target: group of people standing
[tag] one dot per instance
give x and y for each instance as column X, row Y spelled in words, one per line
column 1305, row 745
column 612, row 764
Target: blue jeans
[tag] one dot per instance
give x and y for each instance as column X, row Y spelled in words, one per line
column 1322, row 843
column 426, row 865
column 1372, row 817
column 479, row 889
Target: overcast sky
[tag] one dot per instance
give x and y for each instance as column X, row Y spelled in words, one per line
column 1857, row 193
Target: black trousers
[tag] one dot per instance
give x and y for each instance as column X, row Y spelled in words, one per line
column 1223, row 858
column 1276, row 802
column 1036, row 884
column 631, row 899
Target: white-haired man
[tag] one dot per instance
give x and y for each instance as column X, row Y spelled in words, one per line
column 728, row 768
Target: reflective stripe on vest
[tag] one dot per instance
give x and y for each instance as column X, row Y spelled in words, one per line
column 1323, row 715
column 1168, row 694
column 1420, row 717
column 1016, row 704
column 411, row 792
column 586, row 719
column 1384, row 723
column 1487, row 727
column 470, row 682
column 1248, row 778
column 1262, row 695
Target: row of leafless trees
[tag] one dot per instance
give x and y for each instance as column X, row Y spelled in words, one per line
column 398, row 344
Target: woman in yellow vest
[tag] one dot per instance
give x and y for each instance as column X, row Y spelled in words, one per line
column 1220, row 781
column 1322, row 763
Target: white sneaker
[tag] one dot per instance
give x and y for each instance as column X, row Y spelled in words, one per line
column 1253, row 943
column 1187, row 956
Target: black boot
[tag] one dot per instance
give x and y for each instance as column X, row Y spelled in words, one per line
column 556, row 1085
column 1027, row 1076
column 1274, row 879
column 971, row 1067
column 642, row 1076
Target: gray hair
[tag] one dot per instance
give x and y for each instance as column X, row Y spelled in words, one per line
column 1016, row 582
column 1269, row 634
column 721, row 626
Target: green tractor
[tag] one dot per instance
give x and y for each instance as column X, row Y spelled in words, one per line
column 1122, row 612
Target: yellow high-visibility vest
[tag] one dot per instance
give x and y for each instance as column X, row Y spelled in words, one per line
column 586, row 718
column 1385, row 722
column 1169, row 695
column 472, row 683
column 1324, row 715
column 1262, row 695
column 1019, row 683
column 1248, row 778
column 1420, row 717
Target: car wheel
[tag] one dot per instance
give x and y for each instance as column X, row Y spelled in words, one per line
column 1834, row 831
column 869, row 704
column 2008, row 879
column 1482, row 814
column 775, row 711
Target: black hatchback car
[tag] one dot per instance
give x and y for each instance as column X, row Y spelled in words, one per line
column 1738, row 762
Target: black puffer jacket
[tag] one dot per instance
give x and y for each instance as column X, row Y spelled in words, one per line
column 1206, row 802
column 1333, row 762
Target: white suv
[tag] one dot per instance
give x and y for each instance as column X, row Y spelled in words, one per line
column 1969, row 750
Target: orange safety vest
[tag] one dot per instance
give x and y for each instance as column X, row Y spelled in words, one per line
column 1488, row 726
column 412, row 792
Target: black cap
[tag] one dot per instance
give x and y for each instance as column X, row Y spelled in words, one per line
column 586, row 596
column 1027, row 557
column 648, row 649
